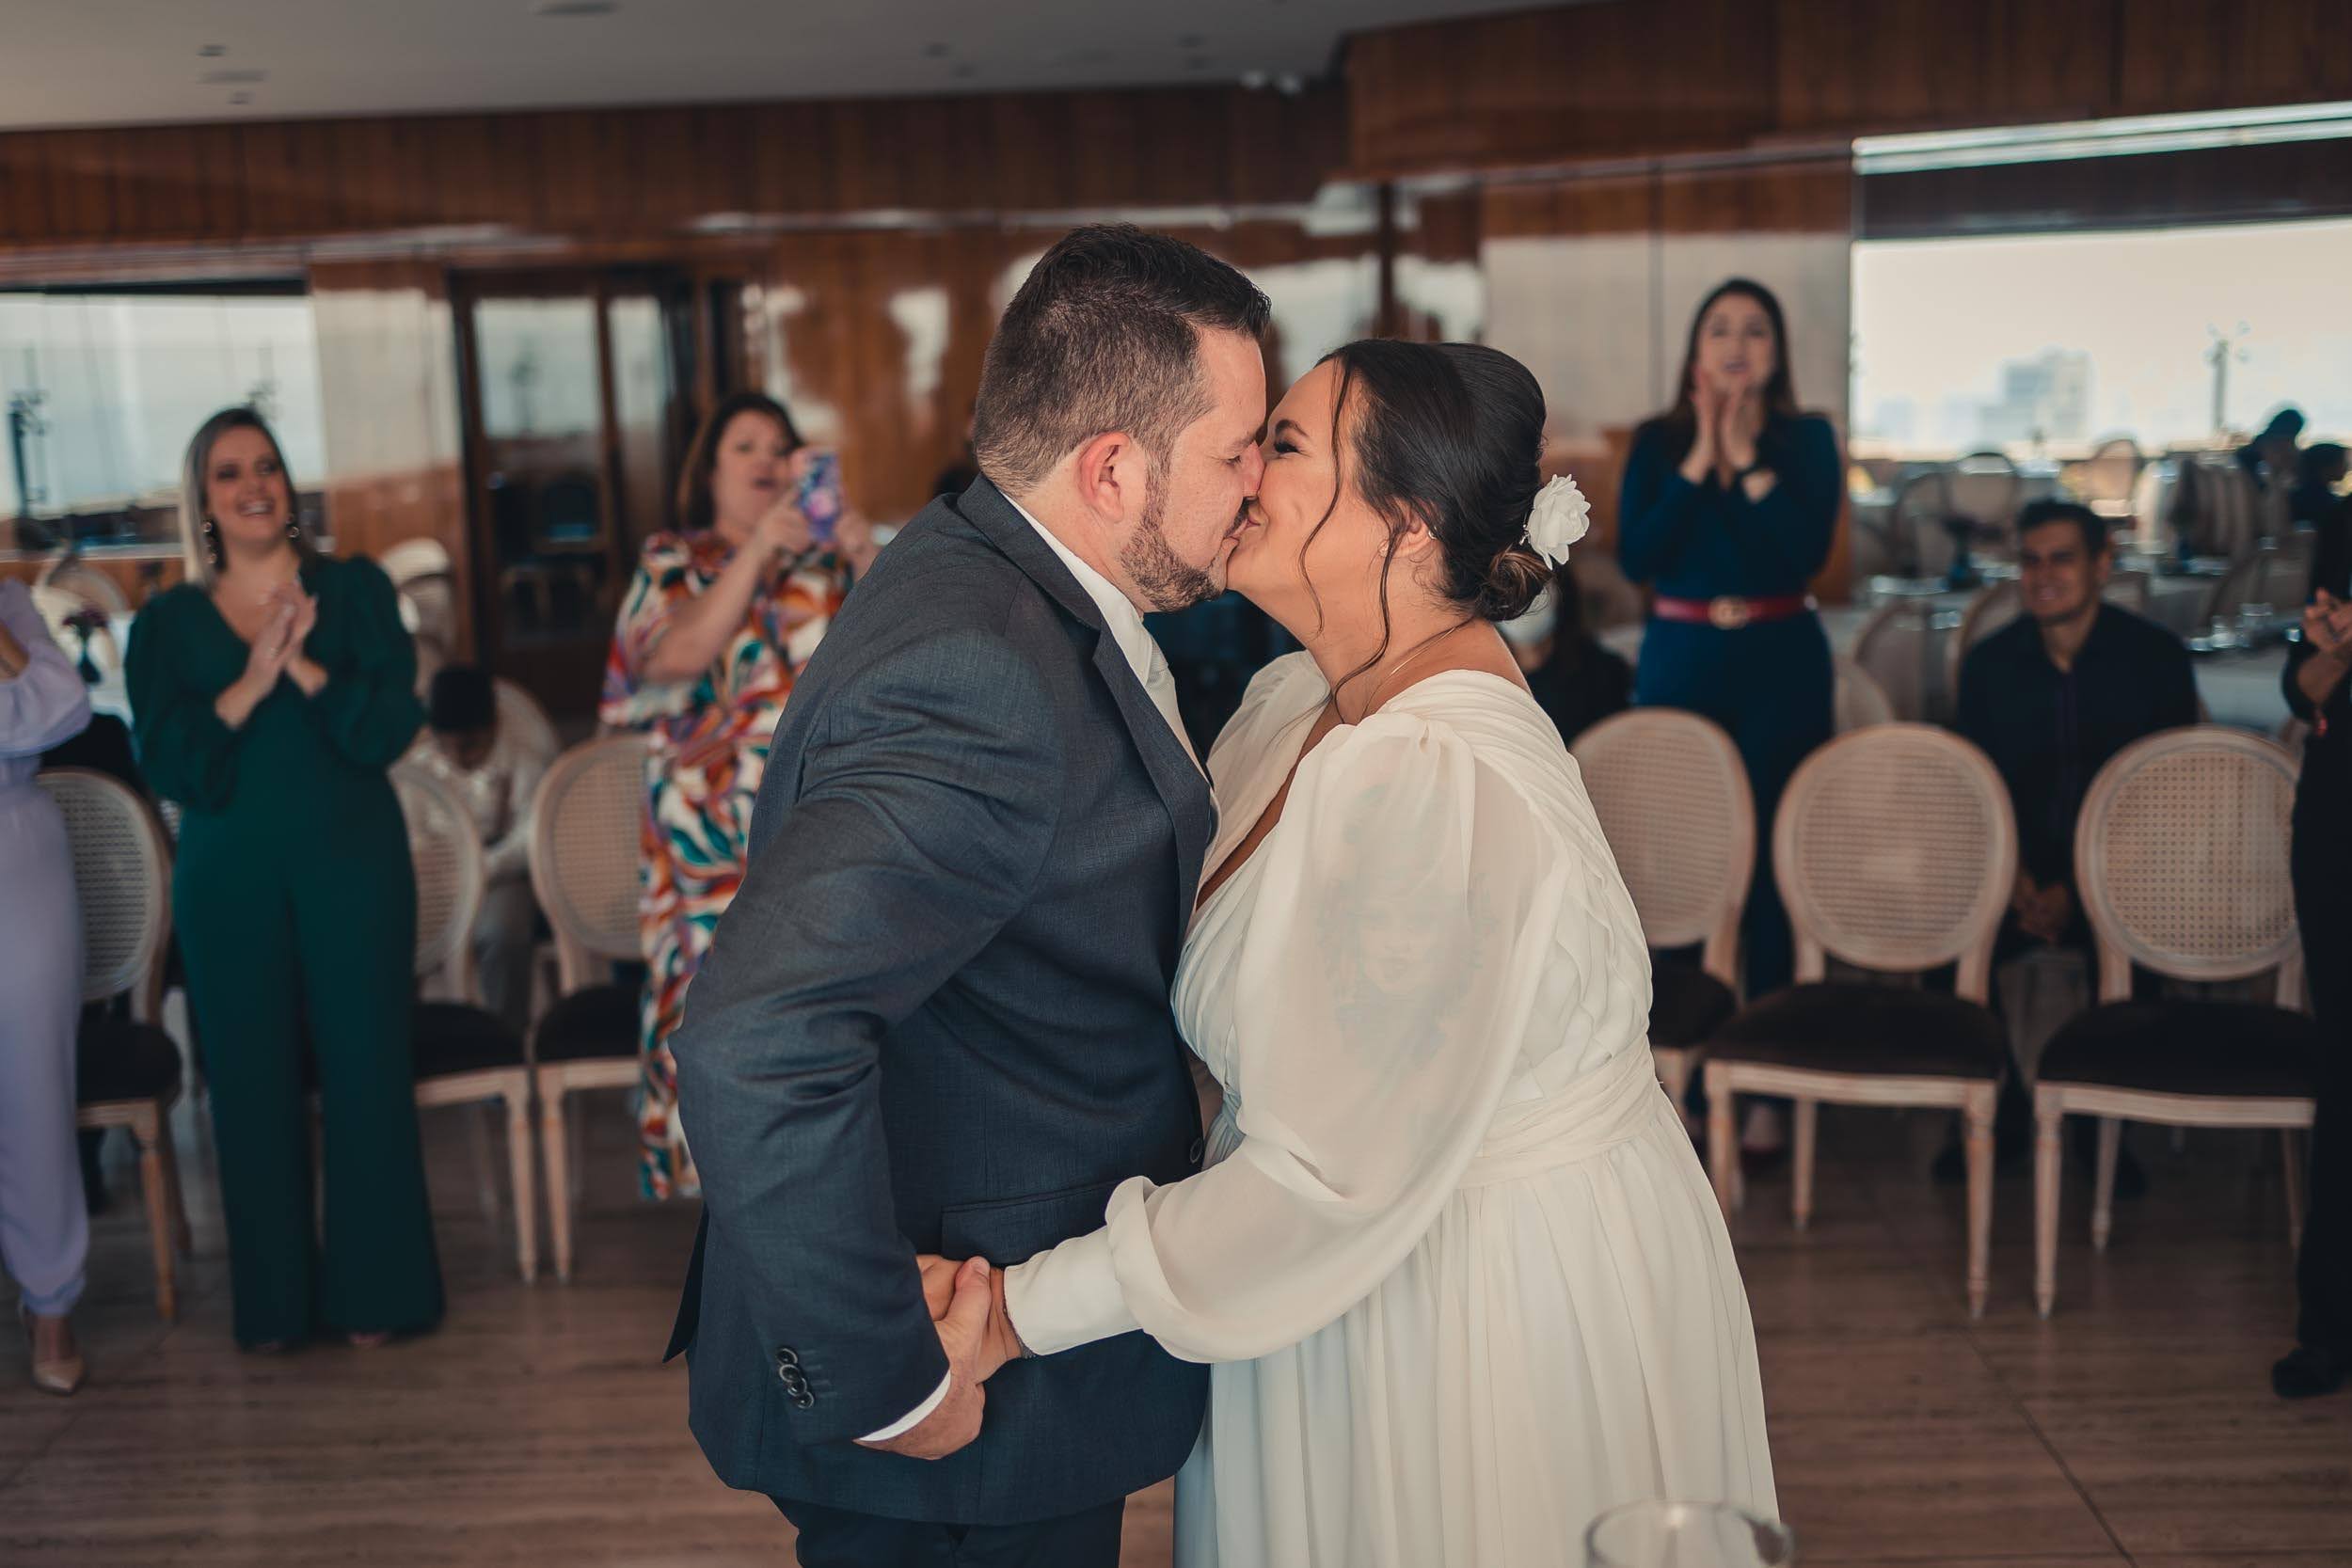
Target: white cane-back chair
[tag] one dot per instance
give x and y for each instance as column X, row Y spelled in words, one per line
column 465, row 1055
column 1895, row 851
column 86, row 583
column 127, row 1071
column 523, row 722
column 2181, row 859
column 586, row 858
column 1902, row 648
column 1855, row 696
column 1674, row 805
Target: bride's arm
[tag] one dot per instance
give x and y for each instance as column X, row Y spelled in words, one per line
column 1407, row 916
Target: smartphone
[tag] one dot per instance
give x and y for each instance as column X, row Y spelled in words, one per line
column 819, row 496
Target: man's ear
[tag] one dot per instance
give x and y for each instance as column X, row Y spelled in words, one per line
column 1108, row 473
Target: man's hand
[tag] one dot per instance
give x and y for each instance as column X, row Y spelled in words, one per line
column 964, row 1335
column 1004, row 1341
column 2049, row 915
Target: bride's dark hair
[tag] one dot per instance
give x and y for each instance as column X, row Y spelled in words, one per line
column 1449, row 435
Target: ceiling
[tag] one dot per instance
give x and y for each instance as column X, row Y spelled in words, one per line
column 111, row 62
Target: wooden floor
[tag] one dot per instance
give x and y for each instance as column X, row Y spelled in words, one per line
column 539, row 1427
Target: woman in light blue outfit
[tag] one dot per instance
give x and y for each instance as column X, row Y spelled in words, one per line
column 44, row 1226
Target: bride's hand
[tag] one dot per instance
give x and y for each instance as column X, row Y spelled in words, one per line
column 1003, row 1341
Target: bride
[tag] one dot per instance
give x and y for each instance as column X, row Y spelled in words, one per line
column 1458, row 1270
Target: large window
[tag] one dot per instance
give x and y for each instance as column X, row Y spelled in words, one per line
column 2054, row 341
column 104, row 389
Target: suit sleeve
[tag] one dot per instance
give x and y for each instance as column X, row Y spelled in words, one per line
column 925, row 811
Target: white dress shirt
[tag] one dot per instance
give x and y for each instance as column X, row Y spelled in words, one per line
column 1150, row 664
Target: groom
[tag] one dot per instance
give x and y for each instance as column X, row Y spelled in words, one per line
column 935, row 1018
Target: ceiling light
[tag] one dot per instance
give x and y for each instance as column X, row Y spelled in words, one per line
column 232, row 78
column 935, row 51
column 574, row 7
column 240, row 97
column 213, row 51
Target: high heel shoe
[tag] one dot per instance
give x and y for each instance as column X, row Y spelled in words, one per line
column 58, row 1374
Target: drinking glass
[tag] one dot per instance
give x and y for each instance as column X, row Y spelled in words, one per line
column 1661, row 1534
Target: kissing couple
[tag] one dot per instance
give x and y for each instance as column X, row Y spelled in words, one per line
column 1445, row 1279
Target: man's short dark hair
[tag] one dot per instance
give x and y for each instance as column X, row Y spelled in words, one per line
column 1104, row 336
column 461, row 700
column 2042, row 513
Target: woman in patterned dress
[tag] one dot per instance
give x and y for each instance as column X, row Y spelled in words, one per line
column 716, row 625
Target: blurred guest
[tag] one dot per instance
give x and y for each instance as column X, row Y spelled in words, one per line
column 957, row 477
column 2320, row 477
column 269, row 694
column 495, row 776
column 1573, row 678
column 2050, row 698
column 2318, row 691
column 44, row 1227
column 1729, row 501
column 713, row 630
column 2272, row 457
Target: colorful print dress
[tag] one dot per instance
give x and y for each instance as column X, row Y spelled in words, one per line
column 707, row 746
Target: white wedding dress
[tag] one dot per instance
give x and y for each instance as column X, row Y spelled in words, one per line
column 1459, row 1270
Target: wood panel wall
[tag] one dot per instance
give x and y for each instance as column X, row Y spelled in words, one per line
column 663, row 171
column 1618, row 78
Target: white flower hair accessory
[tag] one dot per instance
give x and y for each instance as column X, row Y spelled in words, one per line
column 1559, row 519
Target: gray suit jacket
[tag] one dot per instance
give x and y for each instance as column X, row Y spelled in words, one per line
column 935, row 1019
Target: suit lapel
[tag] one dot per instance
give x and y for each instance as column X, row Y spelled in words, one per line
column 1191, row 810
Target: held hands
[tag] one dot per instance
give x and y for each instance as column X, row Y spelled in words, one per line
column 1003, row 1341
column 2328, row 626
column 961, row 1308
column 2043, row 913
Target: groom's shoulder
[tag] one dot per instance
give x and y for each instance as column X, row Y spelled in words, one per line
column 941, row 582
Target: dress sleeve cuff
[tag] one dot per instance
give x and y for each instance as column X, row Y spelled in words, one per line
column 1068, row 1296
column 915, row 1417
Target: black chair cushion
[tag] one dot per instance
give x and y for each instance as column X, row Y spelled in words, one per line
column 598, row 1022
column 1687, row 1005
column 455, row 1036
column 1887, row 1031
column 2209, row 1048
column 118, row 1059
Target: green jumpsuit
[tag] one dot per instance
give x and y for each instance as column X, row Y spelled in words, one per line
column 297, row 907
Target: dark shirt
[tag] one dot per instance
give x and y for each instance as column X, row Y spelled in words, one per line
column 2050, row 731
column 1581, row 684
column 1699, row 541
column 2328, row 754
column 104, row 746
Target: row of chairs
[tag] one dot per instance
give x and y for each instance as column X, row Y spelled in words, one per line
column 584, row 861
column 1894, row 850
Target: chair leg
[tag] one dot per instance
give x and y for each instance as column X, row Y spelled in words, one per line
column 183, row 1237
column 1809, row 1120
column 1979, row 1152
column 2102, row 1200
column 1723, row 1144
column 478, row 1121
column 157, row 1194
column 526, row 1179
column 555, row 1157
column 579, row 1111
column 2049, row 1120
column 2291, row 1146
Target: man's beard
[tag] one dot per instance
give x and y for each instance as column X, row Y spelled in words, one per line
column 1166, row 580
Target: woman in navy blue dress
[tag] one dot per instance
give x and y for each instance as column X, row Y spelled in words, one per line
column 1730, row 503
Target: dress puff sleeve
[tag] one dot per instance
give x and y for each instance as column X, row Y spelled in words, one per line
column 368, row 704
column 44, row 704
column 188, row 753
column 664, row 580
column 1405, row 916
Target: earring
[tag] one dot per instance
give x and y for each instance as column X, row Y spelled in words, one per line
column 294, row 531
column 212, row 543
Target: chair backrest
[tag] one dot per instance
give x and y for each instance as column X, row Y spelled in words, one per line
column 2109, row 475
column 1922, row 542
column 1899, row 646
column 1673, row 802
column 415, row 558
column 122, row 875
column 2181, row 859
column 587, row 852
column 86, row 584
column 1994, row 606
column 1984, row 488
column 428, row 607
column 446, row 850
column 524, row 722
column 1895, row 850
column 1856, row 696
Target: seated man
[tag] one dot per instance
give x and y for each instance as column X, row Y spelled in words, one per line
column 496, row 777
column 2050, row 699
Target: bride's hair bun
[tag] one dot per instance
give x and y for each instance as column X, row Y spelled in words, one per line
column 1453, row 433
